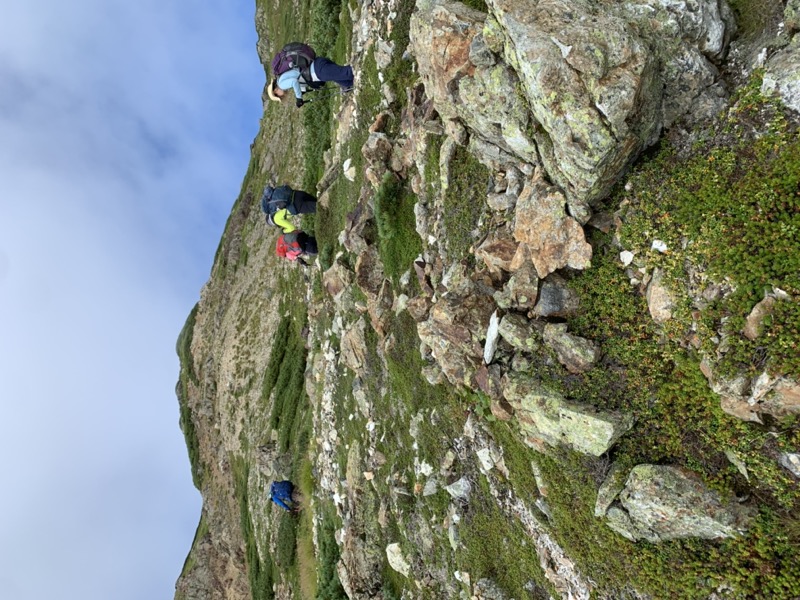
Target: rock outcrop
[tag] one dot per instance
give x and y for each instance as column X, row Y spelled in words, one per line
column 659, row 503
column 580, row 87
column 545, row 417
column 782, row 75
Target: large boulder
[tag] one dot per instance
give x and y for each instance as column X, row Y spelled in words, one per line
column 485, row 97
column 591, row 82
column 661, row 503
column 546, row 417
column 582, row 85
column 782, row 75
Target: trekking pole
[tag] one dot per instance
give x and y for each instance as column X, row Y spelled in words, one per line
column 327, row 92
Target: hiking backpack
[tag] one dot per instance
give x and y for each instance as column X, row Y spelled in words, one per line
column 275, row 199
column 288, row 246
column 293, row 55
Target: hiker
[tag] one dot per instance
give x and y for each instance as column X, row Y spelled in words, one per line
column 280, row 492
column 297, row 68
column 281, row 219
column 295, row 244
column 296, row 202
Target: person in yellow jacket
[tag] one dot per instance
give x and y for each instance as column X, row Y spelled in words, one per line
column 281, row 219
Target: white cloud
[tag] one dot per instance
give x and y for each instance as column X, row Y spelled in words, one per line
column 125, row 133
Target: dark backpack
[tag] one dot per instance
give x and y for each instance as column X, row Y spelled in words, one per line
column 275, row 199
column 292, row 56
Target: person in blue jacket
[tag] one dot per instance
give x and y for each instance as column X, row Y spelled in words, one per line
column 321, row 70
column 280, row 492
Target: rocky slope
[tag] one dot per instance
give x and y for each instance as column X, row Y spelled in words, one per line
column 529, row 368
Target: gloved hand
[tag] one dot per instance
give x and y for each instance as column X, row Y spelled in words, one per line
column 299, row 102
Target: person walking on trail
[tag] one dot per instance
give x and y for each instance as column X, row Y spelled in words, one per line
column 296, row 202
column 300, row 80
column 280, row 492
column 296, row 244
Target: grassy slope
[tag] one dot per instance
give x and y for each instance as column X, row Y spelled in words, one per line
column 678, row 418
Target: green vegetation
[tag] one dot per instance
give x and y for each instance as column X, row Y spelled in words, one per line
column 260, row 572
column 329, row 586
column 400, row 74
column 187, row 374
column 465, row 200
column 495, row 547
column 200, row 533
column 286, row 542
column 283, row 381
column 398, row 242
column 734, row 198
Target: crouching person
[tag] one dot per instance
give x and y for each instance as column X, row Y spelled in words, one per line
column 280, row 492
column 296, row 244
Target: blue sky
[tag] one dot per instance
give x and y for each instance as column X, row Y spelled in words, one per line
column 124, row 137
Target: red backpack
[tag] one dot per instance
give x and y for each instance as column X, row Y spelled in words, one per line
column 292, row 56
column 288, row 246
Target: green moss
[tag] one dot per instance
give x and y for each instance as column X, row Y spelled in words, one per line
column 398, row 242
column 731, row 209
column 400, row 74
column 283, row 383
column 498, row 548
column 465, row 201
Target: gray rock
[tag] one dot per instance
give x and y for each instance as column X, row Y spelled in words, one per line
column 484, row 98
column 755, row 320
column 397, row 561
column 791, row 462
column 480, row 54
column 577, row 354
column 431, row 487
column 460, row 490
column 782, row 75
column 520, row 291
column 545, row 417
column 521, row 333
column 556, row 299
column 665, row 503
column 610, row 489
column 354, row 346
column 486, row 589
column 659, row 299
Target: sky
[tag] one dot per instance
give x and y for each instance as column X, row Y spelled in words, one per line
column 124, row 137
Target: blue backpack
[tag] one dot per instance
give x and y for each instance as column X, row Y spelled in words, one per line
column 275, row 199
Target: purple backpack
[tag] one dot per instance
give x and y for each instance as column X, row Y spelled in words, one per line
column 292, row 56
